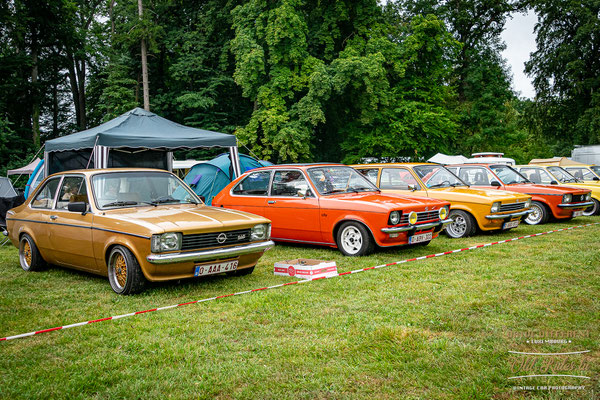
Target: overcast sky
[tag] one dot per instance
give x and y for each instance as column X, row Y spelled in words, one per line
column 520, row 41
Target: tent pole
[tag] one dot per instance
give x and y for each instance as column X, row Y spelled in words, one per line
column 235, row 161
column 46, row 164
column 170, row 161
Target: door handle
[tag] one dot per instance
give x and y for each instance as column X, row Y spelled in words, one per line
column 271, row 201
column 53, row 217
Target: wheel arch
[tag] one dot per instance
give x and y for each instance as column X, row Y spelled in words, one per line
column 339, row 224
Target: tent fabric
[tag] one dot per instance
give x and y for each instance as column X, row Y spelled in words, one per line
column 558, row 161
column 209, row 178
column 441, row 158
column 26, row 170
column 9, row 198
column 141, row 129
column 6, row 188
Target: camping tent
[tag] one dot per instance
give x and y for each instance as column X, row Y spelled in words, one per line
column 441, row 158
column 26, row 170
column 9, row 198
column 137, row 138
column 209, row 178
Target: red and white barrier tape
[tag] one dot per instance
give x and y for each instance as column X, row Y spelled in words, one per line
column 22, row 335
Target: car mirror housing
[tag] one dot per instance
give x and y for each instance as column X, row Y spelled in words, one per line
column 78, row 206
column 412, row 187
column 554, row 183
column 496, row 184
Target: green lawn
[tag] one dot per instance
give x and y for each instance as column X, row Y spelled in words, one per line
column 436, row 328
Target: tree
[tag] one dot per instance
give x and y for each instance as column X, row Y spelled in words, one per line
column 566, row 72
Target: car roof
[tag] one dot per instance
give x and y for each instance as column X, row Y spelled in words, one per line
column 94, row 171
column 297, row 165
column 406, row 164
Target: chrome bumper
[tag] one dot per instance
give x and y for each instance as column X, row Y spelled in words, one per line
column 416, row 227
column 577, row 205
column 212, row 254
column 512, row 215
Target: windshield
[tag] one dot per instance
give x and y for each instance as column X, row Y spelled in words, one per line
column 508, row 175
column 437, row 176
column 127, row 189
column 339, row 179
column 561, row 174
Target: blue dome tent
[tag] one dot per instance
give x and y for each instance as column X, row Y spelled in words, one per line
column 209, row 178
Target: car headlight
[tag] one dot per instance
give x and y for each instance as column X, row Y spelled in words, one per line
column 394, row 218
column 412, row 217
column 170, row 241
column 443, row 213
column 260, row 232
column 588, row 196
column 528, row 203
column 567, row 198
column 495, row 207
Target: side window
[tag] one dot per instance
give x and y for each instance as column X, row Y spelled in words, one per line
column 73, row 189
column 581, row 173
column 45, row 197
column 476, row 176
column 290, row 183
column 398, row 179
column 536, row 175
column 255, row 184
column 370, row 174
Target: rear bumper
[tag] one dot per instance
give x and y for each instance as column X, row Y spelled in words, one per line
column 511, row 215
column 212, row 254
column 576, row 205
column 420, row 227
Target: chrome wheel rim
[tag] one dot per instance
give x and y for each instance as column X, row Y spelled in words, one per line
column 591, row 210
column 25, row 255
column 535, row 216
column 118, row 269
column 352, row 240
column 458, row 227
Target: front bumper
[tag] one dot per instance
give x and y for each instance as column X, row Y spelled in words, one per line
column 420, row 227
column 212, row 254
column 511, row 215
column 576, row 205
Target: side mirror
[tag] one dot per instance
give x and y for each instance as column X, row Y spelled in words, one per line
column 203, row 199
column 412, row 187
column 78, row 206
column 496, row 184
column 553, row 183
column 596, row 178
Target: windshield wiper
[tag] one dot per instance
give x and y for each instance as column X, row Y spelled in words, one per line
column 437, row 185
column 363, row 189
column 334, row 191
column 120, row 203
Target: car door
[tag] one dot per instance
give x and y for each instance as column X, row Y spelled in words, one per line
column 71, row 238
column 293, row 208
column 39, row 217
column 250, row 194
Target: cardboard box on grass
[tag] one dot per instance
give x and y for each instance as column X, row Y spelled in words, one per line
column 306, row 268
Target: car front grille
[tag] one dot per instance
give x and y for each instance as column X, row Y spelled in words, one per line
column 578, row 198
column 512, row 207
column 204, row 240
column 422, row 216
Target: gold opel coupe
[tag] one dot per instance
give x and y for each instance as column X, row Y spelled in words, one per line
column 133, row 226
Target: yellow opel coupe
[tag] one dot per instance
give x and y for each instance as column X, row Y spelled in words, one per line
column 133, row 226
column 470, row 209
column 554, row 175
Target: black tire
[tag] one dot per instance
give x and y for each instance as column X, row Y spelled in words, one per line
column 241, row 272
column 592, row 210
column 29, row 255
column 463, row 224
column 124, row 273
column 353, row 239
column 540, row 214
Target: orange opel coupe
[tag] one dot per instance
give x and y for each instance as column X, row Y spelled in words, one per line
column 133, row 225
column 333, row 205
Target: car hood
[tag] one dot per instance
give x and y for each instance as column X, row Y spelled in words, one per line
column 532, row 188
column 188, row 218
column 480, row 196
column 373, row 201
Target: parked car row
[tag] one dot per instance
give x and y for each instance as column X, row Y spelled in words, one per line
column 139, row 225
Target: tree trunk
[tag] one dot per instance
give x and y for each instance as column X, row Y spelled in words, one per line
column 35, row 98
column 74, row 87
column 80, row 68
column 144, row 65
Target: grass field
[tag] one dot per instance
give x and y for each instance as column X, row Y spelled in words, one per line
column 433, row 329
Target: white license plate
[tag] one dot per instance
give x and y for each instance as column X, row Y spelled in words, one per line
column 510, row 224
column 423, row 237
column 577, row 213
column 210, row 269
